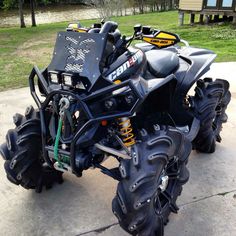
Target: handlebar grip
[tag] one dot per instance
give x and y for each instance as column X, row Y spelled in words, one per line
column 108, row 27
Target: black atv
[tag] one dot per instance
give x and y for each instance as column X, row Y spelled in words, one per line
column 100, row 98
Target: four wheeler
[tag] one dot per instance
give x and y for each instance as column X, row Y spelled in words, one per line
column 101, row 98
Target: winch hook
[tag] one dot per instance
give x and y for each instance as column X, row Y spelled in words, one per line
column 64, row 104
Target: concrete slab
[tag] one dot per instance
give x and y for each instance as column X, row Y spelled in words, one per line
column 212, row 216
column 82, row 205
column 224, row 70
column 196, row 219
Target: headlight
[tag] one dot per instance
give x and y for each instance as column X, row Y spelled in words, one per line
column 68, row 79
column 72, row 80
column 54, row 77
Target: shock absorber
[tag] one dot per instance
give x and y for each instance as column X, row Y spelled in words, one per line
column 126, row 131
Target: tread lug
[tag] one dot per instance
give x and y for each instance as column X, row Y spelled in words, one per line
column 5, row 152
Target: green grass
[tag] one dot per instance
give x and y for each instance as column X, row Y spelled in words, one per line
column 20, row 49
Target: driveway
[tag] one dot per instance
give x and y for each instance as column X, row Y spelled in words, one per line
column 82, row 206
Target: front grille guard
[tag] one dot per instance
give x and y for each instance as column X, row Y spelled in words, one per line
column 50, row 93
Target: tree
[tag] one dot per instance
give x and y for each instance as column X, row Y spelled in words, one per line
column 21, row 14
column 141, row 6
column 106, row 8
column 7, row 4
column 32, row 8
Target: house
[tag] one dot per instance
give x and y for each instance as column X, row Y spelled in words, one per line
column 211, row 10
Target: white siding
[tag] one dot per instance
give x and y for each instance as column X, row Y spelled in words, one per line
column 192, row 5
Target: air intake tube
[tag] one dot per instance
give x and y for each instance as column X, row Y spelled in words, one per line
column 109, row 27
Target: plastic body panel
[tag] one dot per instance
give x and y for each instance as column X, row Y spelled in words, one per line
column 194, row 64
column 129, row 64
column 162, row 39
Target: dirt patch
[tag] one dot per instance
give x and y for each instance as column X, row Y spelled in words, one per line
column 37, row 42
column 35, row 56
column 73, row 13
column 7, row 67
column 31, row 44
column 36, row 51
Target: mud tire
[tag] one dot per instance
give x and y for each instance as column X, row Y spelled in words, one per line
column 140, row 206
column 210, row 103
column 22, row 152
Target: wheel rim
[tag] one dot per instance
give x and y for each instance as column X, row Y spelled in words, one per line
column 164, row 199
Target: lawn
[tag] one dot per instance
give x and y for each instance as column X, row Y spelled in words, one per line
column 20, row 49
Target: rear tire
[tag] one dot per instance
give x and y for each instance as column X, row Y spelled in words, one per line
column 210, row 103
column 143, row 203
column 24, row 164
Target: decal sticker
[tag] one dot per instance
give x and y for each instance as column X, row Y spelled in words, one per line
column 137, row 57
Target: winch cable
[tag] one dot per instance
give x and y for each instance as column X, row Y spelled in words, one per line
column 64, row 105
column 56, row 156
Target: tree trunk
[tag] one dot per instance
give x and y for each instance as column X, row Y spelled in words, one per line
column 32, row 7
column 176, row 3
column 170, row 5
column 141, row 6
column 163, row 5
column 22, row 21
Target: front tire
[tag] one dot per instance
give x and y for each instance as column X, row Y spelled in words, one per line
column 151, row 182
column 24, row 164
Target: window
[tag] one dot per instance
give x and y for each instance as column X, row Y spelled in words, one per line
column 211, row 3
column 227, row 3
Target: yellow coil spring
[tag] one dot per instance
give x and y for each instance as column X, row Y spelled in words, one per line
column 126, row 132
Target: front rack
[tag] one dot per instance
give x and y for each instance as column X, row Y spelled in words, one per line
column 85, row 104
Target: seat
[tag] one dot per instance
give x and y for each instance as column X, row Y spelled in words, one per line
column 162, row 63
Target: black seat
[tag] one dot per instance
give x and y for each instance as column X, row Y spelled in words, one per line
column 162, row 63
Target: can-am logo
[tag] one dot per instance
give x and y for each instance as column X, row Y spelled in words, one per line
column 138, row 56
column 160, row 41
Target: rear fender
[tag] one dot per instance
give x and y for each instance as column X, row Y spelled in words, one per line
column 200, row 60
